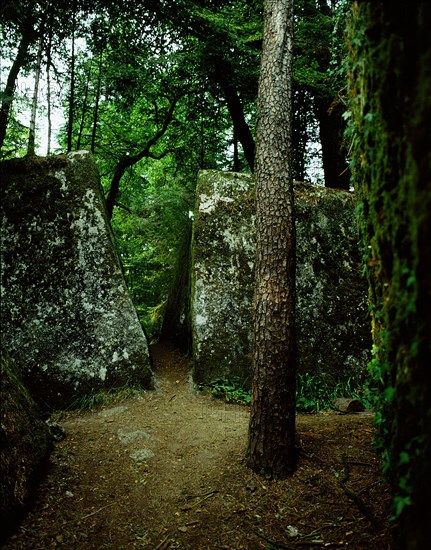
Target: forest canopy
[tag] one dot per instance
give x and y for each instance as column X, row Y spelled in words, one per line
column 158, row 91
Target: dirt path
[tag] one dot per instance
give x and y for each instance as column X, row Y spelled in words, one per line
column 166, row 471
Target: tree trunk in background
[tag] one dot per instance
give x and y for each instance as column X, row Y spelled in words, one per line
column 331, row 125
column 84, row 107
column 236, row 163
column 301, row 108
column 48, row 91
column 72, row 89
column 271, row 445
column 127, row 161
column 28, row 35
column 31, row 148
column 390, row 99
column 236, row 111
column 97, row 99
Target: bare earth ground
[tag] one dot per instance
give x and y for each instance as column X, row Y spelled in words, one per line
column 166, row 470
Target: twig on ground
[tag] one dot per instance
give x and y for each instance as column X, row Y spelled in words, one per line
column 362, row 507
column 162, row 543
column 96, row 511
column 318, row 543
column 273, row 542
column 359, row 463
column 206, row 495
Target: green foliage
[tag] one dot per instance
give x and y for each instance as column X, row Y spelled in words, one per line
column 313, row 394
column 316, row 393
column 231, row 390
column 16, row 141
column 15, row 144
column 148, row 230
column 320, row 47
column 100, row 398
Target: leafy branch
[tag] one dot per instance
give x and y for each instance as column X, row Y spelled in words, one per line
column 129, row 160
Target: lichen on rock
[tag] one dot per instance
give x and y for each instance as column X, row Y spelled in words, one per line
column 331, row 314
column 222, row 276
column 67, row 318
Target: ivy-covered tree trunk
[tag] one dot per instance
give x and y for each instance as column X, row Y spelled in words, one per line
column 271, row 445
column 390, row 97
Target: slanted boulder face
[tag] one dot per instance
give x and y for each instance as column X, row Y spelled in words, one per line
column 25, row 442
column 66, row 316
column 332, row 322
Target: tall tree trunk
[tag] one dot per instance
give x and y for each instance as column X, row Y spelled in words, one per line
column 390, row 99
column 84, row 107
column 236, row 112
column 27, row 37
column 300, row 122
column 48, row 80
column 48, row 94
column 96, row 107
column 271, row 444
column 72, row 87
column 31, row 147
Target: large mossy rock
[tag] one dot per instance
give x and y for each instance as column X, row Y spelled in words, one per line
column 66, row 315
column 25, row 442
column 332, row 321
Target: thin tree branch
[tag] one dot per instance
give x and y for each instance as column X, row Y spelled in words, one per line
column 127, row 161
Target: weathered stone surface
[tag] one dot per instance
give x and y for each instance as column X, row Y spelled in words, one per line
column 332, row 321
column 25, row 441
column 222, row 276
column 66, row 316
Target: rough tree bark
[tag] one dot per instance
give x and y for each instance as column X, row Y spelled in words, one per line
column 271, row 445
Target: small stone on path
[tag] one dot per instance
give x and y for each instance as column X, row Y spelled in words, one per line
column 112, row 412
column 141, row 455
column 128, row 437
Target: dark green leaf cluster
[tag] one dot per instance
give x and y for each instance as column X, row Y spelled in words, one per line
column 315, row 394
column 231, row 390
